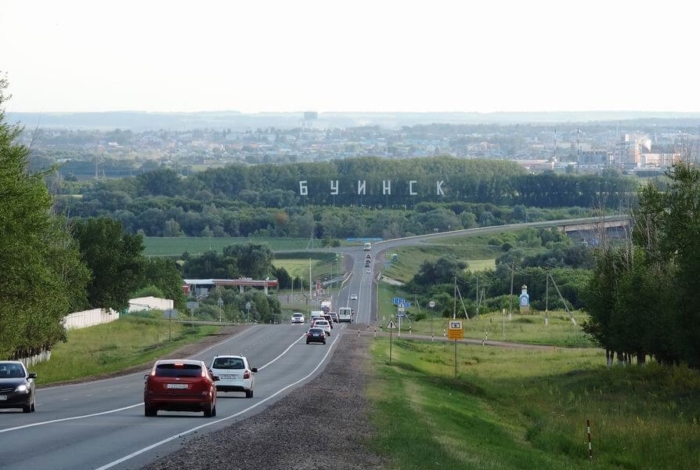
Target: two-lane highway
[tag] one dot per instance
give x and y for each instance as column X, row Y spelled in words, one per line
column 100, row 425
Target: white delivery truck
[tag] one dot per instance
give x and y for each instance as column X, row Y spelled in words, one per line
column 344, row 315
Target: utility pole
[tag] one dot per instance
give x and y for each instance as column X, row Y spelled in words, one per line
column 512, row 275
column 546, row 301
column 454, row 308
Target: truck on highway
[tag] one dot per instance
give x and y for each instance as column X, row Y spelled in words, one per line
column 326, row 306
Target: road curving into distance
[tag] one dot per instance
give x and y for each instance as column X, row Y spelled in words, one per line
column 101, row 424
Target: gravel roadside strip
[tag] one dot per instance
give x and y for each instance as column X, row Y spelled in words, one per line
column 323, row 425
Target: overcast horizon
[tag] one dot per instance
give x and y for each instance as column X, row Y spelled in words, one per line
column 347, row 57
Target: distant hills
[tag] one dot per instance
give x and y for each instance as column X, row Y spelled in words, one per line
column 236, row 121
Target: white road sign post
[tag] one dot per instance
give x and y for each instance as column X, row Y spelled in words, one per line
column 431, row 304
column 390, row 327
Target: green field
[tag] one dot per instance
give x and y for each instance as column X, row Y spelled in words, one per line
column 513, row 408
column 176, row 246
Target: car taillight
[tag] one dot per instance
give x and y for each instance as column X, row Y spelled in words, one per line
column 246, row 374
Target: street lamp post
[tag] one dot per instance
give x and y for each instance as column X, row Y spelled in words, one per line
column 247, row 307
column 220, row 303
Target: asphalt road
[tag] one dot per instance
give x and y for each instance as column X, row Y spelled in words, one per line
column 101, row 425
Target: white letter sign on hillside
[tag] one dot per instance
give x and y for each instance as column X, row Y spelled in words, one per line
column 386, row 187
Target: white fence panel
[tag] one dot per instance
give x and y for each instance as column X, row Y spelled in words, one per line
column 149, row 303
column 92, row 317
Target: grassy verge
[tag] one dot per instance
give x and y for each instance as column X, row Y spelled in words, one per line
column 115, row 346
column 530, row 328
column 528, row 409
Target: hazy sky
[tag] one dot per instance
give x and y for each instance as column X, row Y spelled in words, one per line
column 350, row 55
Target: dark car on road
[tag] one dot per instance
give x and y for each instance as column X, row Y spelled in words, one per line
column 180, row 385
column 17, row 389
column 316, row 335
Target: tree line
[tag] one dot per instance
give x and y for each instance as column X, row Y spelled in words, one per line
column 241, row 201
column 643, row 295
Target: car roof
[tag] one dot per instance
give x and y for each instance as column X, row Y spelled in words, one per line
column 232, row 356
column 179, row 361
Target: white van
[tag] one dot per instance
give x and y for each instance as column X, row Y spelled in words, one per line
column 344, row 315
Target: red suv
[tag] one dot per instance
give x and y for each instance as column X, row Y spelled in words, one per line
column 180, row 385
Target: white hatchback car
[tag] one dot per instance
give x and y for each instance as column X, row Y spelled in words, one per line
column 235, row 374
column 353, row 297
column 323, row 324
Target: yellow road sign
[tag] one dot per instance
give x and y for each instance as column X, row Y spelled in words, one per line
column 455, row 330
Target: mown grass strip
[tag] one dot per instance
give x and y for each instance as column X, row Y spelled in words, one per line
column 527, row 409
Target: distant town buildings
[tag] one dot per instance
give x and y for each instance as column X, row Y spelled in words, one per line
column 536, row 147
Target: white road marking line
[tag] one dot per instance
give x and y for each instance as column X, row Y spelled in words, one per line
column 92, row 415
column 189, row 431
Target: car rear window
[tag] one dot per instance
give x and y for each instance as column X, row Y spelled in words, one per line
column 178, row 370
column 228, row 363
column 316, row 330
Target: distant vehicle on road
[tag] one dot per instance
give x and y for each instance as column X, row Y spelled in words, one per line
column 298, row 317
column 315, row 335
column 325, row 325
column 353, row 297
column 367, row 246
column 345, row 315
column 326, row 306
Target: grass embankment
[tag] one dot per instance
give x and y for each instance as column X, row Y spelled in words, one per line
column 113, row 347
column 477, row 253
column 527, row 409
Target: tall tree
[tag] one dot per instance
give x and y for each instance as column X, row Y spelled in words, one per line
column 114, row 257
column 41, row 273
column 165, row 274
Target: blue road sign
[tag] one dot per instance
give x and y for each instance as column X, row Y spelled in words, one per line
column 397, row 300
